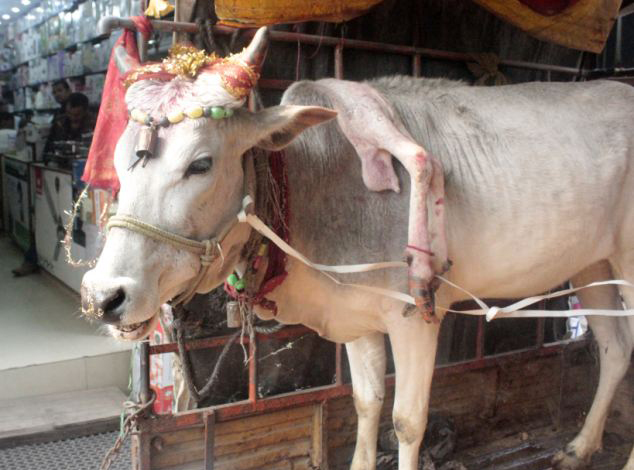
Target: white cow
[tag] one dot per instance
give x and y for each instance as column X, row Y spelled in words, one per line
column 539, row 180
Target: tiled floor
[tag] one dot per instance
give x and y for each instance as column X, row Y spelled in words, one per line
column 83, row 453
column 46, row 346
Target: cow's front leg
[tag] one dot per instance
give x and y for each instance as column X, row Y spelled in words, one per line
column 414, row 346
column 367, row 367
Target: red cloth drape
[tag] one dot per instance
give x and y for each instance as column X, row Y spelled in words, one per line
column 549, row 7
column 113, row 114
column 579, row 24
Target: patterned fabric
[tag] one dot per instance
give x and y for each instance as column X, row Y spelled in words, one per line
column 548, row 7
column 113, row 115
column 578, row 24
column 249, row 14
column 237, row 76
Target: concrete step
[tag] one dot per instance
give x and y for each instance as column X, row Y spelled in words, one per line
column 58, row 416
column 81, row 373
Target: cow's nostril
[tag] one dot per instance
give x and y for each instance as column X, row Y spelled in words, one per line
column 110, row 306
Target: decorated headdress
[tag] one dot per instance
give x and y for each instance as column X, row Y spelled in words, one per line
column 236, row 75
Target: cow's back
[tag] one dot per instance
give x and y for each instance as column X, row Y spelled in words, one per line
column 535, row 178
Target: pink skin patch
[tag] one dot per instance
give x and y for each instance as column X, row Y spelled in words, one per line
column 376, row 132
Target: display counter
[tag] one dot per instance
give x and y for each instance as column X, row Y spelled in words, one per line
column 54, row 193
column 17, row 200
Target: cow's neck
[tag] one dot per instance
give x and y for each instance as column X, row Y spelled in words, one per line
column 263, row 264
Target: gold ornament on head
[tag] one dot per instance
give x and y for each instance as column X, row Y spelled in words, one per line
column 186, row 61
column 238, row 73
column 183, row 61
column 158, row 9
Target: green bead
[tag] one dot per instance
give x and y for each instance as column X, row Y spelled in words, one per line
column 217, row 112
column 231, row 280
column 228, row 112
column 240, row 285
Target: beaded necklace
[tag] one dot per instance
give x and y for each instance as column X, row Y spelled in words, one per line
column 146, row 140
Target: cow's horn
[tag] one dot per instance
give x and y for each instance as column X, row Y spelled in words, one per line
column 255, row 53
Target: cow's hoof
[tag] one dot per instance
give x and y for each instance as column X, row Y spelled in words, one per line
column 568, row 460
column 446, row 266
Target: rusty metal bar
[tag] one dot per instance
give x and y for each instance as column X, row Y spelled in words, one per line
column 253, row 370
column 191, row 419
column 144, row 371
column 338, row 364
column 417, row 65
column 194, row 418
column 618, row 42
column 339, row 61
column 274, row 84
column 480, row 339
column 145, row 452
column 108, row 24
column 541, row 327
column 490, row 361
column 207, row 343
column 209, row 419
column 135, row 450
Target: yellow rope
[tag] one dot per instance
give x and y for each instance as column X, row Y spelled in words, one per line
column 135, row 225
column 204, row 249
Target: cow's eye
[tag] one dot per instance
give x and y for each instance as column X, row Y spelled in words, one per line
column 199, row 167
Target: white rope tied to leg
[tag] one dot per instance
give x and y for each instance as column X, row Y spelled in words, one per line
column 511, row 311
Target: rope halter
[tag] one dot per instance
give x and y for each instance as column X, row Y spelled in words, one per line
column 208, row 250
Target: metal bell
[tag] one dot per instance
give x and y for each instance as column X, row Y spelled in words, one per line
column 146, row 142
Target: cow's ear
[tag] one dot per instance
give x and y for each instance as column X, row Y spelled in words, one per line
column 279, row 125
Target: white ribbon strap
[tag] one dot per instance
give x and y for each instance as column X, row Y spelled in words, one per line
column 256, row 223
column 511, row 311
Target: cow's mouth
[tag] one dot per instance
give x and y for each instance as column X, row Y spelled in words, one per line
column 134, row 331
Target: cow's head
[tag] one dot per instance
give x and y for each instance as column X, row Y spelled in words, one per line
column 191, row 183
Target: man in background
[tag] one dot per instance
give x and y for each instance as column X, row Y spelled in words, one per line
column 77, row 120
column 6, row 120
column 61, row 92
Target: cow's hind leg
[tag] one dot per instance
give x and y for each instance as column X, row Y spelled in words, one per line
column 366, row 356
column 614, row 351
column 624, row 269
column 414, row 346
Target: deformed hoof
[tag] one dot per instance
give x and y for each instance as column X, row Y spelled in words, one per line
column 446, row 266
column 567, row 460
